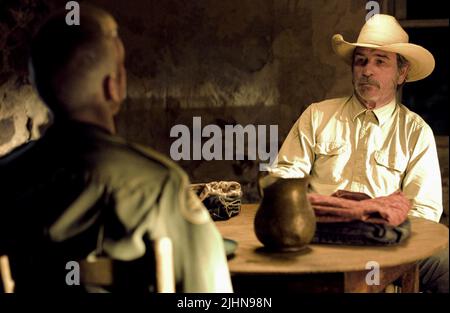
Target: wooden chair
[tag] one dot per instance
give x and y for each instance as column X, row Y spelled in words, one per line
column 5, row 275
column 154, row 272
column 105, row 272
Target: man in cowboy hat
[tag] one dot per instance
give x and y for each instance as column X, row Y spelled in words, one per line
column 81, row 191
column 369, row 142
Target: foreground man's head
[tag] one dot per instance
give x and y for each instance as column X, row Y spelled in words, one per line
column 79, row 70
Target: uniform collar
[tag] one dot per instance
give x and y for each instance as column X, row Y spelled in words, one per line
column 382, row 114
column 76, row 129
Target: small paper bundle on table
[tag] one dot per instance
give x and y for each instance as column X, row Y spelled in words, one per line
column 221, row 198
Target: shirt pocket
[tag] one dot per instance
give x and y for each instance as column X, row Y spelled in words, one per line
column 395, row 163
column 330, row 161
column 389, row 170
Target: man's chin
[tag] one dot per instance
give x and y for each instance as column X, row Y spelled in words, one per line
column 369, row 98
column 366, row 99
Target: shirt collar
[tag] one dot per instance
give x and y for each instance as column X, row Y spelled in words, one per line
column 382, row 114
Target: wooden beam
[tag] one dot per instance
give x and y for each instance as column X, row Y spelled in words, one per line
column 424, row 23
column 400, row 9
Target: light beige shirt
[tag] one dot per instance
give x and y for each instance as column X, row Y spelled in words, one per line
column 343, row 145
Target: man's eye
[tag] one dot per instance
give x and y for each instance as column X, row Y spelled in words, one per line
column 380, row 62
column 359, row 61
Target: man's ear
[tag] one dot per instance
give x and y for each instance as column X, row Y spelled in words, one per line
column 403, row 74
column 111, row 89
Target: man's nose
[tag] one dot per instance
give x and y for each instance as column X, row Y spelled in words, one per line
column 367, row 70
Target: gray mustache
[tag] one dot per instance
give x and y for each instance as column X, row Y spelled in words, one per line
column 369, row 82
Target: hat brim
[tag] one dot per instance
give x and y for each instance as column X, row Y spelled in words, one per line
column 420, row 59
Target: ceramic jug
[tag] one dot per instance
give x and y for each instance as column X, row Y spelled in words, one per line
column 285, row 220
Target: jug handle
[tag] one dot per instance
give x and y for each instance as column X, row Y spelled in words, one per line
column 265, row 181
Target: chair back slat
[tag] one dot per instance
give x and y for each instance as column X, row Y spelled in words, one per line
column 154, row 272
column 5, row 275
column 165, row 278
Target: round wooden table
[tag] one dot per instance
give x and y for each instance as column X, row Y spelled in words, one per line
column 331, row 267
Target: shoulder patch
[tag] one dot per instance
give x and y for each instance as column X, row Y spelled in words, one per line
column 191, row 208
column 194, row 211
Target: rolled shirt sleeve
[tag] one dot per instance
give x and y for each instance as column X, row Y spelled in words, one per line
column 422, row 181
column 296, row 155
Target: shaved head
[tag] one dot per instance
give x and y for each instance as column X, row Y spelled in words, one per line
column 69, row 63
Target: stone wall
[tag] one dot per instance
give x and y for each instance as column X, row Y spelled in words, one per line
column 21, row 112
column 230, row 62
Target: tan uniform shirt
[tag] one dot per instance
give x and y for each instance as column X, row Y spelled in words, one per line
column 87, row 192
column 343, row 145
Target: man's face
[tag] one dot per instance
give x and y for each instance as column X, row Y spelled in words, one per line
column 376, row 76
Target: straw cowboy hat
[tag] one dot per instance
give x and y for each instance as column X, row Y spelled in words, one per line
column 383, row 32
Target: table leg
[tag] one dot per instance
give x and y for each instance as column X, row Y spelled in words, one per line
column 410, row 279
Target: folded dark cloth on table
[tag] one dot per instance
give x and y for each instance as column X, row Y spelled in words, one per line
column 221, row 198
column 346, row 206
column 353, row 218
column 361, row 233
